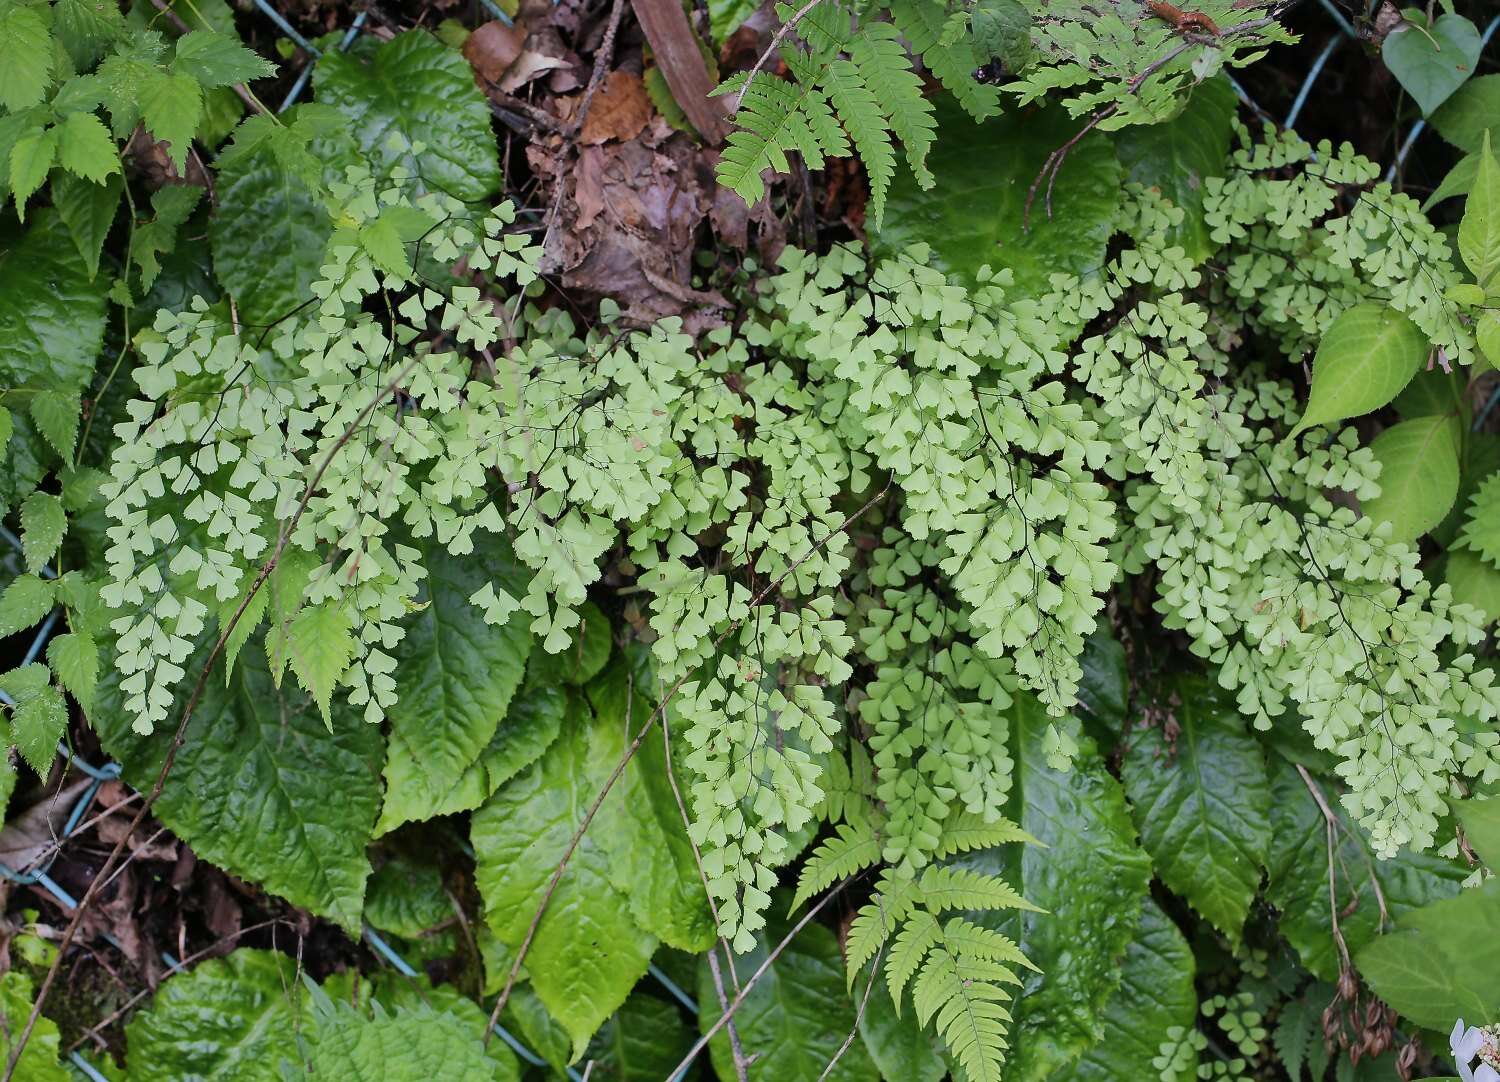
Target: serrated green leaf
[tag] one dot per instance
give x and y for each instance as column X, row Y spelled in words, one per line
column 172, row 204
column 1475, row 581
column 171, row 106
column 1364, row 360
column 413, row 90
column 455, row 679
column 39, row 1060
column 643, row 1042
column 267, row 236
column 320, row 644
column 84, row 27
column 214, row 60
column 7, row 429
column 74, row 657
column 795, row 1017
column 972, row 216
column 1418, row 475
column 1432, row 62
column 406, row 898
column 88, row 210
column 1297, row 875
column 259, row 763
column 641, row 828
column 43, row 523
column 30, row 161
column 1479, row 231
column 51, row 326
column 57, row 414
column 26, row 58
column 1156, row 993
column 414, row 1042
column 1440, row 963
column 1202, row 803
column 1472, row 110
column 1176, row 156
column 1480, row 817
column 40, row 716
column 23, row 604
column 85, row 149
column 1092, row 879
column 227, row 1018
column 588, row 952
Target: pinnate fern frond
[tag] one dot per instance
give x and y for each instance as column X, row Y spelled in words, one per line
column 959, row 888
column 967, row 831
column 970, row 1015
column 852, row 849
column 977, row 941
column 775, row 118
column 947, row 52
column 919, row 935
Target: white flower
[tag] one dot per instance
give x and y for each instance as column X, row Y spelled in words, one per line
column 1465, row 1044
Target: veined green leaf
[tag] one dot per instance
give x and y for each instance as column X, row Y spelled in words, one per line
column 1202, row 803
column 1418, row 474
column 1369, row 354
column 1479, row 231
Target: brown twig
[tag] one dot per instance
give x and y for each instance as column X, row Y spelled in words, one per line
column 180, row 736
column 781, row 32
column 602, row 59
column 739, row 1000
column 1330, row 823
column 635, row 745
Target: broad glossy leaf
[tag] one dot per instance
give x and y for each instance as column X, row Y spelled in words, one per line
column 588, row 951
column 406, row 897
column 268, row 235
column 455, row 677
column 795, row 1017
column 643, row 1042
column 51, row 326
column 1475, row 581
column 972, row 216
column 1432, row 62
column 414, row 90
column 1364, row 360
column 1480, row 817
column 460, row 1014
column 898, row 1044
column 640, row 825
column 1175, row 156
column 1202, row 803
column 1418, row 475
column 1091, row 879
column 226, row 1020
column 1297, row 875
column 1156, row 993
column 1472, row 110
column 1440, row 964
column 1479, row 231
column 1105, row 688
column 251, row 787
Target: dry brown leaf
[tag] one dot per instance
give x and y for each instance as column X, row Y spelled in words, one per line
column 620, row 110
column 493, row 48
column 527, row 67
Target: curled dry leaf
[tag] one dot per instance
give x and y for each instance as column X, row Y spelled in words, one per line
column 620, row 110
column 493, row 48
